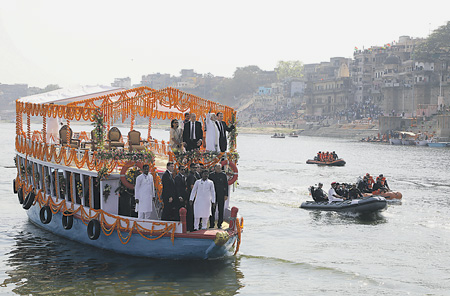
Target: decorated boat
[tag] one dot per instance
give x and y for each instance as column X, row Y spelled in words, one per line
column 80, row 184
column 364, row 205
column 336, row 162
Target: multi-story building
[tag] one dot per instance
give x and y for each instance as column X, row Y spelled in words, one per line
column 156, row 81
column 390, row 77
column 328, row 87
column 122, row 82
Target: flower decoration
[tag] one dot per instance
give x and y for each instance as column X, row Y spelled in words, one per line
column 106, row 191
column 232, row 135
column 99, row 129
column 103, row 173
column 22, row 170
column 121, row 154
column 131, row 175
column 79, row 189
column 62, row 185
column 29, row 170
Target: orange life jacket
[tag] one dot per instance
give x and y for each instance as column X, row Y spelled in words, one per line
column 382, row 180
column 370, row 182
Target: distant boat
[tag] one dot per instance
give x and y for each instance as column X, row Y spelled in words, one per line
column 293, row 135
column 337, row 162
column 395, row 141
column 280, row 136
column 422, row 142
column 439, row 144
column 408, row 142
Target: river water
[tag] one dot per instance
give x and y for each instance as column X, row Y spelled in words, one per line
column 285, row 250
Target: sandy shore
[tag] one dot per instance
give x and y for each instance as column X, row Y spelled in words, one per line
column 356, row 132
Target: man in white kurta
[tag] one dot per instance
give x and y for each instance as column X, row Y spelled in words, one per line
column 202, row 196
column 144, row 193
column 212, row 133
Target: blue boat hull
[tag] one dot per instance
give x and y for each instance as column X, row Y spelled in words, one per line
column 441, row 144
column 181, row 248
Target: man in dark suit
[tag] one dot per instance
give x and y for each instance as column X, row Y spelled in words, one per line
column 192, row 133
column 223, row 128
column 169, row 196
column 181, row 187
column 190, row 181
column 220, row 181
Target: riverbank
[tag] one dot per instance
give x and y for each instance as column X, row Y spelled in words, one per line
column 348, row 131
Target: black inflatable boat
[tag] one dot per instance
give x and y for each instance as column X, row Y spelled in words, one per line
column 363, row 206
column 337, row 162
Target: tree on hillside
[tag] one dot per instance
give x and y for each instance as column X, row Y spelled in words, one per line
column 436, row 46
column 289, row 70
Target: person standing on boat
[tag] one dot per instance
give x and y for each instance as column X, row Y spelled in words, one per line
column 192, row 133
column 176, row 136
column 186, row 120
column 332, row 195
column 144, row 193
column 203, row 196
column 212, row 132
column 190, row 181
column 181, row 187
column 169, row 195
column 220, row 181
column 223, row 128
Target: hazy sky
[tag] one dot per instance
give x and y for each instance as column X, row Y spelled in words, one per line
column 93, row 42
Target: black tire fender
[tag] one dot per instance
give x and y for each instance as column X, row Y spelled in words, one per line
column 20, row 195
column 28, row 200
column 67, row 221
column 45, row 215
column 93, row 229
column 14, row 186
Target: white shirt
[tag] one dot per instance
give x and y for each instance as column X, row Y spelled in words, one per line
column 331, row 196
column 212, row 134
column 192, row 126
column 144, row 191
column 204, row 194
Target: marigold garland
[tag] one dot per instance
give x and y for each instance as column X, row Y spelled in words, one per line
column 107, row 228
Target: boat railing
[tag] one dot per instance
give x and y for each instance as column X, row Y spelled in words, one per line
column 79, row 157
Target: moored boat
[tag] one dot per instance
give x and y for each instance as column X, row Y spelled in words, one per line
column 408, row 142
column 337, row 162
column 394, row 141
column 362, row 206
column 80, row 185
column 278, row 136
column 439, row 144
column 423, row 142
